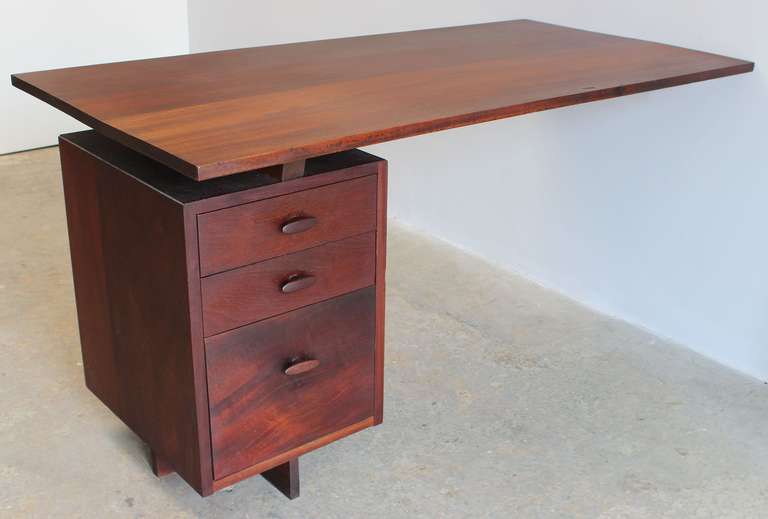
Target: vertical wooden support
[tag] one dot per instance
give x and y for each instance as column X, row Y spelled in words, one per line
column 293, row 170
column 285, row 478
column 287, row 171
column 160, row 467
column 381, row 269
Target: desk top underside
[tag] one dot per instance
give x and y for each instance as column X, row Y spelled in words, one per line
column 219, row 113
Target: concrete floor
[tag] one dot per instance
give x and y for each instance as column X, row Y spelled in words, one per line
column 502, row 400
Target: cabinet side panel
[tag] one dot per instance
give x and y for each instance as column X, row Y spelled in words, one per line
column 145, row 269
column 81, row 198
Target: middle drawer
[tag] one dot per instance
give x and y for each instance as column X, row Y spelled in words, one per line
column 275, row 286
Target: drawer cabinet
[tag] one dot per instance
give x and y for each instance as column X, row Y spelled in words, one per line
column 233, row 324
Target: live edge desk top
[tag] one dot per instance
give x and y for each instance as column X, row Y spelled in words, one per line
column 218, row 113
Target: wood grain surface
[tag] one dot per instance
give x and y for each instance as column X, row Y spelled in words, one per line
column 218, row 113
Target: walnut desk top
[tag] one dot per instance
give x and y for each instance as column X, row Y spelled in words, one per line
column 219, row 113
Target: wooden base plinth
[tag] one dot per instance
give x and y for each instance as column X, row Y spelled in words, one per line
column 285, row 478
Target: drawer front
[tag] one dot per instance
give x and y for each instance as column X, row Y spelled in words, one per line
column 275, row 286
column 253, row 232
column 258, row 411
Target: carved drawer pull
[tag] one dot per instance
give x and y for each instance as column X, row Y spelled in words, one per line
column 301, row 367
column 298, row 224
column 297, row 282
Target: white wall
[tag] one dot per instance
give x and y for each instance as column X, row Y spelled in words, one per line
column 651, row 208
column 44, row 34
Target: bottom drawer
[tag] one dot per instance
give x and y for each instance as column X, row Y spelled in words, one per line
column 258, row 410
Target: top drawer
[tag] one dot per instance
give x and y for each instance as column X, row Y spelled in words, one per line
column 248, row 233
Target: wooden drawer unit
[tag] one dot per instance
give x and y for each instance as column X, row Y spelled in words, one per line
column 254, row 232
column 231, row 335
column 260, row 410
column 261, row 290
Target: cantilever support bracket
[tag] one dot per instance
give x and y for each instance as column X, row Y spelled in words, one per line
column 287, row 171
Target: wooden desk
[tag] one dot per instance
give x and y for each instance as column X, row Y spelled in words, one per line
column 237, row 323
